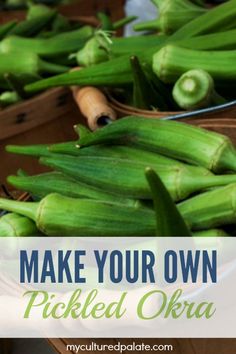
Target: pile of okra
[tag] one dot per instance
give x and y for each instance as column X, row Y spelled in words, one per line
column 133, row 177
column 41, row 46
column 185, row 59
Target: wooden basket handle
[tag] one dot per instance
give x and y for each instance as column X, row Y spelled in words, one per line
column 94, row 105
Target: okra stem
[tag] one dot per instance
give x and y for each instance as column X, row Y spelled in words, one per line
column 123, row 22
column 28, row 209
column 30, row 150
column 51, row 68
column 173, row 14
column 68, row 148
column 195, row 89
column 153, row 25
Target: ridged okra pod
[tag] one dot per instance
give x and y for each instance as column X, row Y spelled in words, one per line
column 126, row 177
column 63, row 43
column 25, row 63
column 114, row 72
column 17, row 225
column 176, row 140
column 135, row 44
column 31, row 27
column 54, row 182
column 172, row 61
column 211, row 209
column 116, row 151
column 214, row 41
column 217, row 19
column 56, row 215
column 98, row 49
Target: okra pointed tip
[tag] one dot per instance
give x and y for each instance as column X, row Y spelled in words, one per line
column 11, row 178
column 148, row 171
column 11, row 148
column 133, row 58
column 43, row 160
column 169, row 221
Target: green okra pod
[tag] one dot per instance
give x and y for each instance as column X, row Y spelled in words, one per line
column 136, row 44
column 126, row 153
column 114, row 72
column 57, row 215
column 211, row 209
column 195, row 89
column 174, row 139
column 214, row 41
column 126, row 177
column 61, row 44
column 17, row 225
column 172, row 61
column 217, row 19
column 54, row 182
column 173, row 14
column 169, row 221
column 33, row 26
column 24, row 63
